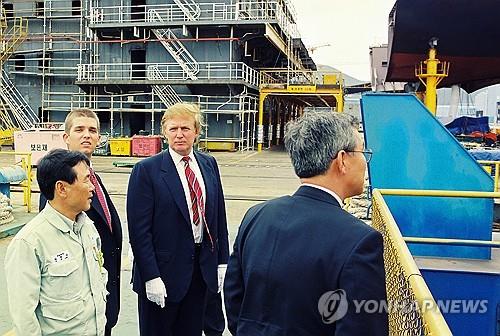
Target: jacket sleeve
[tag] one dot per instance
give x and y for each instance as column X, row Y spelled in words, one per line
column 23, row 275
column 363, row 278
column 233, row 288
column 221, row 220
column 140, row 212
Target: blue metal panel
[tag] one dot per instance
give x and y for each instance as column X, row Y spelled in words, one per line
column 469, row 301
column 413, row 150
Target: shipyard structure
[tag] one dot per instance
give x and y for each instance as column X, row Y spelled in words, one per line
column 243, row 62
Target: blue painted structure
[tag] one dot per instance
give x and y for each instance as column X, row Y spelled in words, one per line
column 8, row 175
column 469, row 301
column 413, row 150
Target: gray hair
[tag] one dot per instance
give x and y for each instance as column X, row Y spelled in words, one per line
column 316, row 138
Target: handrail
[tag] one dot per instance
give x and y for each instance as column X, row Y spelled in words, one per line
column 169, row 71
column 26, row 184
column 262, row 10
column 295, row 77
column 404, row 282
column 440, row 193
column 497, row 170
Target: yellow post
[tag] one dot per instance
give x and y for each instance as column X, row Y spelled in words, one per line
column 430, row 74
column 431, row 86
column 260, row 126
column 340, row 102
column 497, row 166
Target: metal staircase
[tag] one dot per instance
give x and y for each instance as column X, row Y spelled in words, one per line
column 190, row 8
column 21, row 113
column 13, row 37
column 170, row 41
column 166, row 93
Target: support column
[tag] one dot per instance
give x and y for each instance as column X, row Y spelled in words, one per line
column 260, row 125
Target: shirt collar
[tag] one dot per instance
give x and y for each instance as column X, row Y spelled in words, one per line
column 177, row 158
column 337, row 197
column 75, row 226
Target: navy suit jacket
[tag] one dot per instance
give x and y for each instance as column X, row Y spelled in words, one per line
column 288, row 253
column 111, row 249
column 160, row 228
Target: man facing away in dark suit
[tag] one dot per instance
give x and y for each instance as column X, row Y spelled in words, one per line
column 300, row 262
column 81, row 133
column 177, row 229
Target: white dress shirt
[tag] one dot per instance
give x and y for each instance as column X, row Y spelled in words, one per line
column 193, row 164
column 337, row 197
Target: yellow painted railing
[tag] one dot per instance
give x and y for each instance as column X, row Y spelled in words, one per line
column 26, row 184
column 496, row 164
column 405, row 285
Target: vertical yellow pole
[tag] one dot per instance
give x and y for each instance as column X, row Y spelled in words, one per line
column 497, row 173
column 432, row 81
column 260, row 126
column 340, row 102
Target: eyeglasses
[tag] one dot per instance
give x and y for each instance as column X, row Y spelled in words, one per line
column 367, row 153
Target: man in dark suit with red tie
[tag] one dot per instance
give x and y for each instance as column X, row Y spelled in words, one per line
column 177, row 229
column 81, row 133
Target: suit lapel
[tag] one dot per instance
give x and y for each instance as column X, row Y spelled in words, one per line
column 210, row 187
column 96, row 204
column 173, row 181
column 115, row 219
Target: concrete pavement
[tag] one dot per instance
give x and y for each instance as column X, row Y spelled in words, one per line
column 248, row 178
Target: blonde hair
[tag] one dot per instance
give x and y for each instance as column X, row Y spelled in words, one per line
column 79, row 112
column 184, row 110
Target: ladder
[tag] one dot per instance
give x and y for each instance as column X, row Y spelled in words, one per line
column 178, row 51
column 24, row 116
column 190, row 8
column 166, row 93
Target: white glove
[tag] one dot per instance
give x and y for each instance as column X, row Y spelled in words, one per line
column 156, row 291
column 221, row 274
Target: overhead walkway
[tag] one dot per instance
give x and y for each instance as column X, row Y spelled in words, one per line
column 296, row 88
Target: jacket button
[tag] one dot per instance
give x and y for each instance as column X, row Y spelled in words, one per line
column 192, row 257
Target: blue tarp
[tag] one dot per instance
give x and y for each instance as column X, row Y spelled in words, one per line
column 487, row 155
column 467, row 125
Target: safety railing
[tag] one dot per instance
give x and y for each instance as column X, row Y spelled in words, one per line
column 488, row 165
column 166, row 93
column 278, row 12
column 244, row 105
column 174, row 46
column 229, row 71
column 23, row 115
column 12, row 38
column 404, row 282
column 298, row 77
column 24, row 160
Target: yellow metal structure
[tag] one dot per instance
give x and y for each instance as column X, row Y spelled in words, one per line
column 439, row 193
column 431, row 72
column 217, row 145
column 10, row 39
column 490, row 164
column 412, row 308
column 308, row 87
column 26, row 184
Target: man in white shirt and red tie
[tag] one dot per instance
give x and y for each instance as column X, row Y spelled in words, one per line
column 81, row 133
column 177, row 229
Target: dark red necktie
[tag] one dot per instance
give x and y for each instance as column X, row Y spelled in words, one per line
column 194, row 191
column 101, row 198
column 196, row 194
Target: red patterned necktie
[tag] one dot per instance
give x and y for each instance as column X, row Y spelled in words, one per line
column 194, row 191
column 196, row 194
column 100, row 197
